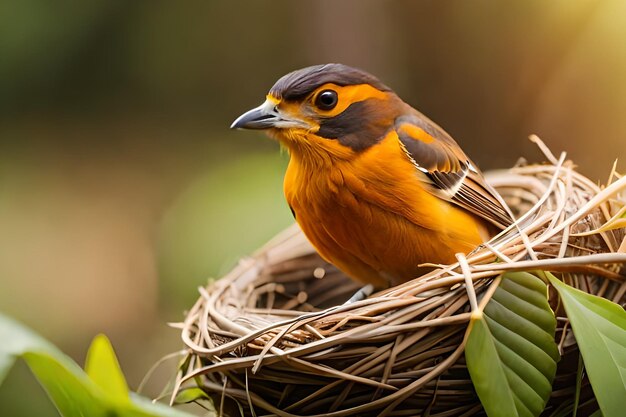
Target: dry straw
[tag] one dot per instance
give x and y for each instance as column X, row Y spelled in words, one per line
column 274, row 337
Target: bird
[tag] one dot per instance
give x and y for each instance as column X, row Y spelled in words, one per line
column 377, row 188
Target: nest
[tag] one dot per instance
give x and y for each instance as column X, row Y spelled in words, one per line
column 275, row 336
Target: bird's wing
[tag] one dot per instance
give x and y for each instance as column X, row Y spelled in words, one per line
column 448, row 171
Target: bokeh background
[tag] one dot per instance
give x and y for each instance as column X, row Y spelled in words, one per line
column 122, row 189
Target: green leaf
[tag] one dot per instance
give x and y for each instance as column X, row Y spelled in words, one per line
column 73, row 392
column 579, row 383
column 600, row 330
column 17, row 340
column 104, row 369
column 510, row 352
column 190, row 395
column 198, row 396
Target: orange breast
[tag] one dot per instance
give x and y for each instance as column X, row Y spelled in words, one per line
column 371, row 217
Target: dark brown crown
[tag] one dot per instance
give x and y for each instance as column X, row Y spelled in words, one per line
column 300, row 83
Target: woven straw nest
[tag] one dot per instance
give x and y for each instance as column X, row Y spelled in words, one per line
column 274, row 337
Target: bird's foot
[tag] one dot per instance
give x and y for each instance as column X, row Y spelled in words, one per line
column 361, row 294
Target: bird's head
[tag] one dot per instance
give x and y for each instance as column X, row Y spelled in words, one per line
column 332, row 108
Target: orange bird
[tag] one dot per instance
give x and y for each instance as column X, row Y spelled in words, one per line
column 376, row 186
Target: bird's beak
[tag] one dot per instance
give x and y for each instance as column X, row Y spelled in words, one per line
column 266, row 116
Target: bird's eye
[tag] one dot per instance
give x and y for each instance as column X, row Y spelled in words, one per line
column 326, row 100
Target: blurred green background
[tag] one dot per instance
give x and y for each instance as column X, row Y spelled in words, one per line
column 122, row 189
